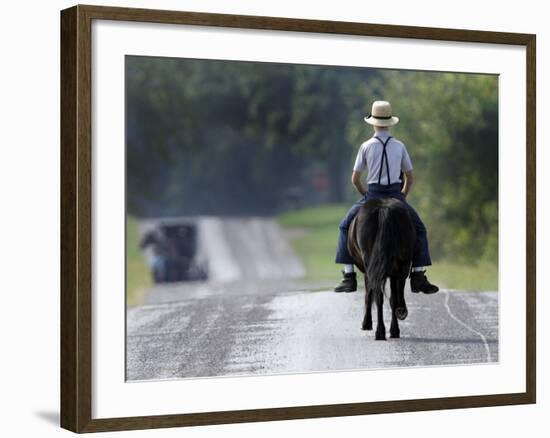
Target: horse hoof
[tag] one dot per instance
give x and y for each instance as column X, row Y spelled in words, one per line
column 366, row 326
column 394, row 335
column 380, row 336
column 401, row 313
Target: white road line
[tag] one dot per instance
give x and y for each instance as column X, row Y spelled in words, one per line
column 463, row 324
column 213, row 244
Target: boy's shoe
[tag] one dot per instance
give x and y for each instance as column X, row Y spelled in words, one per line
column 348, row 283
column 420, row 283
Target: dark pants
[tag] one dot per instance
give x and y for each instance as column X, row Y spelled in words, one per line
column 421, row 256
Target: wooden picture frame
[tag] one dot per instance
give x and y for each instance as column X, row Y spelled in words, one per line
column 76, row 218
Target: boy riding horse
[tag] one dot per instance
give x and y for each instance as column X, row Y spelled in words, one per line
column 386, row 160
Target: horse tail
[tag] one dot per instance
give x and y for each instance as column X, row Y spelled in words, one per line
column 382, row 254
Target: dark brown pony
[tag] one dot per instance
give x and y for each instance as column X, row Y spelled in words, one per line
column 381, row 241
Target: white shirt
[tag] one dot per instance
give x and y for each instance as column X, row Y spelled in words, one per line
column 370, row 155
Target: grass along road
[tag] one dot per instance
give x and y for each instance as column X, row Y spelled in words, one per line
column 315, row 244
column 138, row 276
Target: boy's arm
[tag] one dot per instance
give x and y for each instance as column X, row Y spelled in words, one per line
column 406, row 168
column 360, row 165
column 409, row 179
column 356, row 181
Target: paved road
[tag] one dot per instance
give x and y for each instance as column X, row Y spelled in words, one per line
column 216, row 330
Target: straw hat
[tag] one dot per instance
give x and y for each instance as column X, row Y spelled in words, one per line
column 381, row 115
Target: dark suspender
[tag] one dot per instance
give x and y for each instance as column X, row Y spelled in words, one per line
column 384, row 157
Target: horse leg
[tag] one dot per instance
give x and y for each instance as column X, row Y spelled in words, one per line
column 394, row 301
column 401, row 310
column 380, row 327
column 367, row 320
